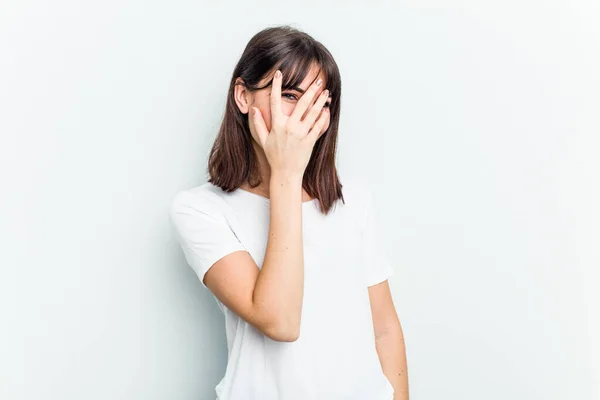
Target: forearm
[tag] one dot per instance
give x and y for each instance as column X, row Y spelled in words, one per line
column 280, row 284
column 392, row 356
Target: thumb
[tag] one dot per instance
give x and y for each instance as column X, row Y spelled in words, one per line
column 260, row 126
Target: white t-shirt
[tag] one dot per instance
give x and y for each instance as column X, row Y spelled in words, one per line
column 335, row 356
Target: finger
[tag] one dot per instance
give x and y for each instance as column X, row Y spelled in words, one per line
column 260, row 127
column 315, row 132
column 276, row 111
column 305, row 101
column 322, row 110
column 316, row 109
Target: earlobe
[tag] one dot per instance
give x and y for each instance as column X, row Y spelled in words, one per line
column 240, row 95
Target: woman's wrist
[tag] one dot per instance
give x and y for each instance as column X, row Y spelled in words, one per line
column 285, row 178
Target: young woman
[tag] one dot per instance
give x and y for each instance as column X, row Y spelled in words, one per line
column 293, row 260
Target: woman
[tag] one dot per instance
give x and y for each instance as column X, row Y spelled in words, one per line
column 293, row 261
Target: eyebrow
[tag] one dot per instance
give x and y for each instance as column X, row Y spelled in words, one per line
column 297, row 89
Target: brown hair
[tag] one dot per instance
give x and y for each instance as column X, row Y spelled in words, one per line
column 232, row 160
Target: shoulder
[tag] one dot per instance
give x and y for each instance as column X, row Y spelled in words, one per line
column 203, row 199
column 357, row 197
column 357, row 192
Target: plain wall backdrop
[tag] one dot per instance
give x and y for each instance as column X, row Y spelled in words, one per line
column 477, row 124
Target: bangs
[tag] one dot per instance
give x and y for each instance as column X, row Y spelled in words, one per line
column 298, row 63
column 295, row 68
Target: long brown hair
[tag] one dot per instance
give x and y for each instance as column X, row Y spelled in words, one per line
column 232, row 160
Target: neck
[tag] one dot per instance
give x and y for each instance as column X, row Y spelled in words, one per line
column 263, row 166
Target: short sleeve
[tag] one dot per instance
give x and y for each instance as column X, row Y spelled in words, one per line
column 202, row 231
column 375, row 260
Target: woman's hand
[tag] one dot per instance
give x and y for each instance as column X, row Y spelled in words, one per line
column 289, row 145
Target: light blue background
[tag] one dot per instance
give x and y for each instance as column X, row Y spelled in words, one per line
column 478, row 122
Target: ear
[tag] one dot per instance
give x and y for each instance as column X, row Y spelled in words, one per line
column 241, row 96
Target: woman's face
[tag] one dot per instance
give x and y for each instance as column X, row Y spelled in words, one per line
column 289, row 100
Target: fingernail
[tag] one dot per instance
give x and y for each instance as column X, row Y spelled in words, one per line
column 319, row 82
column 278, row 74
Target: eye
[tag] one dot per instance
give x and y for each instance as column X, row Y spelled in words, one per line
column 290, row 96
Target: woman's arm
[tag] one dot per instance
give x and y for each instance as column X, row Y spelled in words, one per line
column 279, row 288
column 389, row 339
column 269, row 298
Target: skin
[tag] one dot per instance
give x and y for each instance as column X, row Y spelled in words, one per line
column 389, row 339
column 284, row 131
